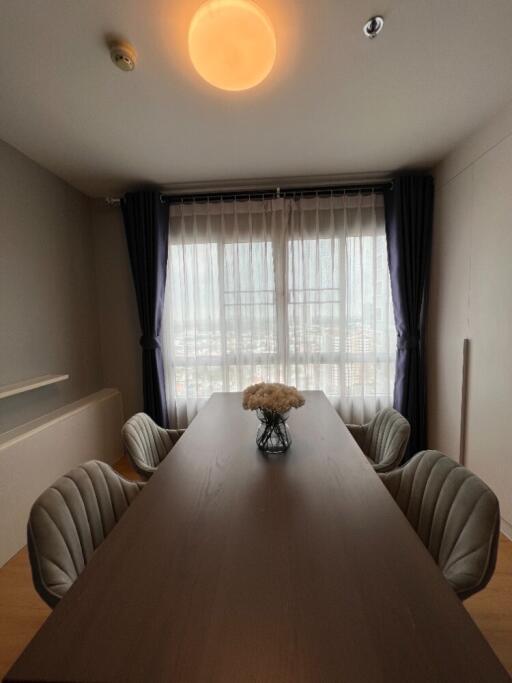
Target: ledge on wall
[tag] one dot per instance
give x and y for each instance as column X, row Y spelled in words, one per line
column 29, row 384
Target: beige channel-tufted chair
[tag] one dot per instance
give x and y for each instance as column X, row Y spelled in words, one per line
column 70, row 520
column 147, row 444
column 384, row 439
column 454, row 513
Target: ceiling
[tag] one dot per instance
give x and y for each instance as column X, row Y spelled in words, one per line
column 335, row 103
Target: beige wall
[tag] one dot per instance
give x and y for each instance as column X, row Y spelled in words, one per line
column 119, row 322
column 471, row 296
column 48, row 312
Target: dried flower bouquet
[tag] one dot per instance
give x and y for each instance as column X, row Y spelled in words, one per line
column 272, row 403
column 275, row 397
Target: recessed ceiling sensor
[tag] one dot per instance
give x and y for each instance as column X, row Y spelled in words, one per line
column 373, row 27
column 123, row 55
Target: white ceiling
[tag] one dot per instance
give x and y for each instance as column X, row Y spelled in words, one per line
column 336, row 102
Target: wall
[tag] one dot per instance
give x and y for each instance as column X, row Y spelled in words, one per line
column 119, row 321
column 471, row 296
column 48, row 312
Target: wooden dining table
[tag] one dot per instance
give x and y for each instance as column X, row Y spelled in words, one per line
column 234, row 567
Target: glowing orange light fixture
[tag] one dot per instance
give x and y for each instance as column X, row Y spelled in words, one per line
column 232, row 43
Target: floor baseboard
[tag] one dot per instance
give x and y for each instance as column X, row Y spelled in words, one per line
column 506, row 529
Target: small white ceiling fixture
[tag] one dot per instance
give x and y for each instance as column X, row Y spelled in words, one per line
column 123, row 55
column 373, row 27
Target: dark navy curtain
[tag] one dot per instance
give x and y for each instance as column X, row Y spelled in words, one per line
column 146, row 222
column 409, row 209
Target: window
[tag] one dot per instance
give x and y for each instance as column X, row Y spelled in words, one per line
column 295, row 291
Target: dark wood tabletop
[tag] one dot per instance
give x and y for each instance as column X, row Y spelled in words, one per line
column 232, row 568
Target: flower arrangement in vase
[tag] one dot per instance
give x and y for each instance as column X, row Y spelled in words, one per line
column 272, row 403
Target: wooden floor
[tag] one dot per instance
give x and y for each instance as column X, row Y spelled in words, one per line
column 22, row 612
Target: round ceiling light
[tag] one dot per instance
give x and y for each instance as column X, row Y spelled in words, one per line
column 232, row 43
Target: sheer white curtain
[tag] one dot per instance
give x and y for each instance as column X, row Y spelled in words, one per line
column 293, row 290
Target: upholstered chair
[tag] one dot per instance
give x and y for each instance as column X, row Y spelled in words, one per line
column 384, row 439
column 70, row 520
column 455, row 515
column 147, row 444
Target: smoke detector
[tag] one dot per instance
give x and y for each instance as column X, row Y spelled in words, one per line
column 123, row 55
column 373, row 27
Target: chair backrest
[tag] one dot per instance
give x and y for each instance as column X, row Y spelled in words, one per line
column 146, row 443
column 454, row 513
column 70, row 520
column 386, row 437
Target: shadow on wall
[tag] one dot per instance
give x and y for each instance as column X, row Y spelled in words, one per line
column 121, row 358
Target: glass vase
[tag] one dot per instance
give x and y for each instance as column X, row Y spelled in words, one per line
column 273, row 434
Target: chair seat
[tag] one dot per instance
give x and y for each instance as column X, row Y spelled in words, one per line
column 70, row 520
column 384, row 439
column 147, row 444
column 454, row 513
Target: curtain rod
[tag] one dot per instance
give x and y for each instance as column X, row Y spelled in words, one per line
column 275, row 193
column 271, row 193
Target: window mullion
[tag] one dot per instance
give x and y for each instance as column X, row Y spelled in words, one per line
column 343, row 276
column 222, row 309
column 279, row 250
